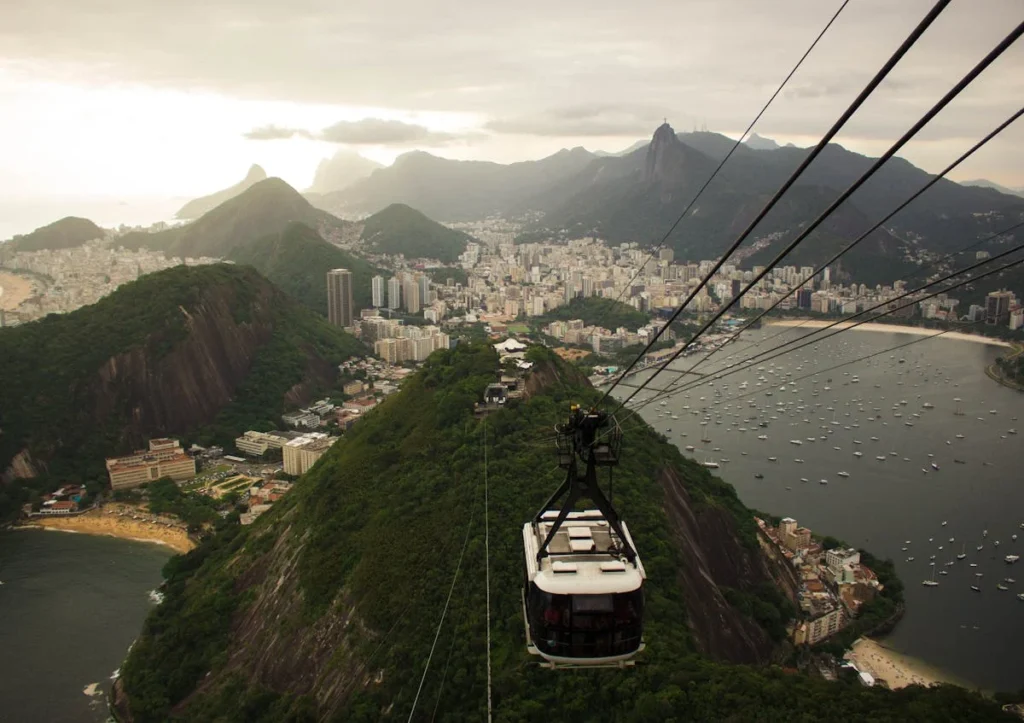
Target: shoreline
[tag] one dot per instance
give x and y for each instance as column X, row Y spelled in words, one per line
column 113, row 525
column 896, row 669
column 892, row 328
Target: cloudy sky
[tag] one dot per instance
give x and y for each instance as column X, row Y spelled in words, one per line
column 148, row 97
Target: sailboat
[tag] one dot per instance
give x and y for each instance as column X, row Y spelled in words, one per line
column 963, row 552
column 932, row 582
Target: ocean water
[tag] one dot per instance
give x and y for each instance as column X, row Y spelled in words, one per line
column 976, row 636
column 71, row 605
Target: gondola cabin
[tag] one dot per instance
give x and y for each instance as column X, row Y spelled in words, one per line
column 583, row 599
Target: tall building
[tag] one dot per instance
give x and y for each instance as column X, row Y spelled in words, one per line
column 303, row 452
column 424, row 289
column 378, row 291
column 394, row 293
column 997, row 307
column 412, row 296
column 339, row 297
column 164, row 458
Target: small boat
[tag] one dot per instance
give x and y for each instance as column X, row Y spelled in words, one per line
column 880, row 457
column 773, row 459
column 823, row 481
column 758, row 475
column 711, row 465
column 797, row 442
column 858, row 454
column 689, row 448
column 910, row 559
column 975, row 588
column 959, row 461
column 804, row 479
column 1020, row 596
column 1010, row 559
column 843, row 474
column 935, row 466
column 798, row 460
column 1001, row 586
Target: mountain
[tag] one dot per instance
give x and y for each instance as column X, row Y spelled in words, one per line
column 624, row 151
column 455, row 190
column 205, row 352
column 985, row 183
column 297, row 260
column 760, row 143
column 66, row 233
column 340, row 171
column 198, row 206
column 639, row 196
column 326, row 607
column 399, row 229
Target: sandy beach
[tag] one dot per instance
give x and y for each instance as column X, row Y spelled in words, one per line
column 891, row 328
column 896, row 669
column 109, row 522
column 13, row 290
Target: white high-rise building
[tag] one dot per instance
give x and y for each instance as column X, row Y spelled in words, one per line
column 378, row 291
column 394, row 293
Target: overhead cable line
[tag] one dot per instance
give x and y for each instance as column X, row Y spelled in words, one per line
column 728, row 155
column 935, row 179
column 908, row 43
column 487, row 564
column 879, row 162
column 710, row 376
column 758, row 358
column 444, row 612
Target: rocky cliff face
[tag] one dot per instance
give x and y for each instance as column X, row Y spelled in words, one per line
column 666, row 157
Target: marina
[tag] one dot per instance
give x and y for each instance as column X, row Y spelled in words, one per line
column 935, row 496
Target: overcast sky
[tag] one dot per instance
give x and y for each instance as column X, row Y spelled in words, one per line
column 149, row 97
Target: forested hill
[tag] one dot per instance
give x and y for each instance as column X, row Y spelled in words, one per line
column 399, row 229
column 326, row 608
column 207, row 352
column 65, row 233
column 594, row 310
column 297, row 260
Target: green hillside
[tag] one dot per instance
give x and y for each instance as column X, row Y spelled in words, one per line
column 66, row 233
column 399, row 229
column 264, row 208
column 204, row 352
column 326, row 608
column 609, row 313
column 297, row 260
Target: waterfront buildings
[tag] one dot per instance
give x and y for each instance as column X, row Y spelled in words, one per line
column 340, row 311
column 164, row 458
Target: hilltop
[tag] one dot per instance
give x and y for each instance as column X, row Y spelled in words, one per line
column 399, row 229
column 204, row 352
column 593, row 310
column 198, row 206
column 325, row 608
column 66, row 233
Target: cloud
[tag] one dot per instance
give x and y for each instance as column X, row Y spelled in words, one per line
column 365, row 132
column 275, row 133
column 579, row 121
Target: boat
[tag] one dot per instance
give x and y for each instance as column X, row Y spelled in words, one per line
column 1010, row 559
column 758, row 475
column 1001, row 586
column 963, row 552
column 1020, row 596
column 710, row 464
column 975, row 588
column 935, row 466
column 689, row 448
column 797, row 442
column 804, row 479
column 843, row 474
column 931, row 582
column 773, row 459
column 858, row 454
column 910, row 559
column 798, row 460
column 880, row 457
column 823, row 481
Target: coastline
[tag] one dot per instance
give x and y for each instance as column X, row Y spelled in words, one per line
column 895, row 668
column 893, row 328
column 111, row 524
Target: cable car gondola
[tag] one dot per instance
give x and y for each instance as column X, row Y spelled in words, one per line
column 583, row 598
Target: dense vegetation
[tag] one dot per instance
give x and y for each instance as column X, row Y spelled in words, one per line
column 593, row 310
column 383, row 517
column 66, row 233
column 399, row 229
column 166, row 497
column 297, row 260
column 441, row 275
column 1011, row 366
column 53, row 401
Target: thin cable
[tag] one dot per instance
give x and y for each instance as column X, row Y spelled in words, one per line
column 487, row 566
column 749, row 362
column 710, row 376
column 440, row 622
column 808, row 159
column 990, row 58
column 935, row 179
column 444, row 676
column 732, row 150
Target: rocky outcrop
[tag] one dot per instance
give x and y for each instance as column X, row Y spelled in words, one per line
column 21, row 467
column 198, row 206
column 666, row 158
column 714, row 558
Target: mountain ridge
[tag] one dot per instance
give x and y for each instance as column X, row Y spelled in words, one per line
column 64, row 233
column 198, row 206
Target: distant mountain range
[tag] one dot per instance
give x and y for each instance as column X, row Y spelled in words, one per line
column 637, row 196
column 340, row 171
column 197, row 207
column 985, row 183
